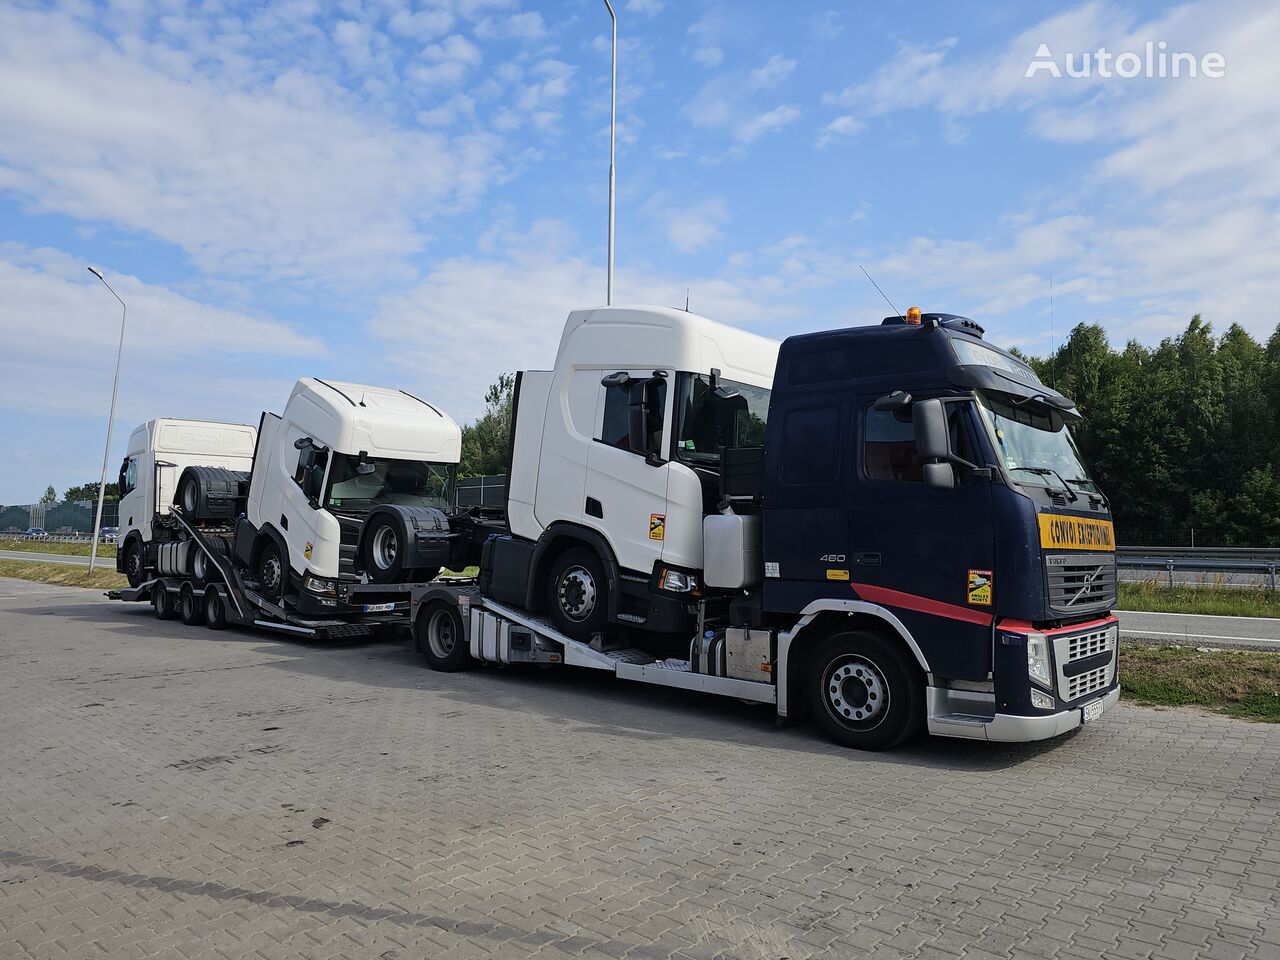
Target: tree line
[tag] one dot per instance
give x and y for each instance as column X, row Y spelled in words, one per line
column 1183, row 437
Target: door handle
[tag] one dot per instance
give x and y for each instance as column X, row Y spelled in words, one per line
column 284, row 521
column 868, row 559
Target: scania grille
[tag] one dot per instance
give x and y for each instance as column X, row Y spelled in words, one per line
column 1081, row 581
column 1086, row 661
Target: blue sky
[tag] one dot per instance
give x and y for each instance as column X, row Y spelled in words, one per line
column 413, row 193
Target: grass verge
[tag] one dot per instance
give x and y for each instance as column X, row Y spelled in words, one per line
column 53, row 546
column 1239, row 683
column 63, row 574
column 1208, row 600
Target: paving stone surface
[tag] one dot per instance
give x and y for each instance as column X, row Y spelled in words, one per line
column 166, row 791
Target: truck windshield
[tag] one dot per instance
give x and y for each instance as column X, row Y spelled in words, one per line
column 410, row 483
column 1035, row 444
column 706, row 424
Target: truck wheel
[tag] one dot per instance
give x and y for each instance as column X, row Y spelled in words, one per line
column 440, row 638
column 189, row 497
column 864, row 691
column 190, row 608
column 162, row 602
column 576, row 593
column 134, row 568
column 384, row 553
column 271, row 576
column 215, row 609
column 200, row 565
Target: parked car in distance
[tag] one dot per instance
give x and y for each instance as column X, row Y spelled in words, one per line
column 108, row 534
column 36, row 533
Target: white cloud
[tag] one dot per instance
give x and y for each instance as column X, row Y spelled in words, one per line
column 420, row 24
column 839, row 129
column 61, row 327
column 517, row 26
column 776, row 69
column 755, row 127
column 692, row 226
column 646, row 8
column 708, row 56
column 285, row 179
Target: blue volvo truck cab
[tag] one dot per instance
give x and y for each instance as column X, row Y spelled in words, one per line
column 934, row 548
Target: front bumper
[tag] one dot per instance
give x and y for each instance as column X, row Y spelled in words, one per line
column 946, row 721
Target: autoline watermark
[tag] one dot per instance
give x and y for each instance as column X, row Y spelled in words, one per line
column 1155, row 62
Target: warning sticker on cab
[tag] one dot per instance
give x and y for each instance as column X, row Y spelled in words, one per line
column 980, row 587
column 657, row 526
column 1076, row 533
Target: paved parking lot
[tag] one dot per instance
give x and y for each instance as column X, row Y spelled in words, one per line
column 166, row 791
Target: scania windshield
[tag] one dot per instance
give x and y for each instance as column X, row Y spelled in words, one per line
column 1035, row 445
column 360, row 486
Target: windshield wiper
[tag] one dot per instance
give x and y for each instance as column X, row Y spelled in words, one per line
column 1046, row 472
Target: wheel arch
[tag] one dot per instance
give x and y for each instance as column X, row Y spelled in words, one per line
column 555, row 540
column 130, row 538
column 821, row 619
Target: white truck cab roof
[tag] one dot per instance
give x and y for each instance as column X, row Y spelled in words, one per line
column 351, row 417
column 664, row 337
column 202, row 439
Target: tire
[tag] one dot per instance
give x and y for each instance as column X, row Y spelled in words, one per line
column 576, row 593
column 201, row 566
column 864, row 691
column 384, row 551
column 190, row 607
column 134, row 567
column 215, row 609
column 271, row 572
column 189, row 498
column 440, row 638
column 162, row 603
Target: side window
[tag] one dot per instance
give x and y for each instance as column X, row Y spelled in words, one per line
column 889, row 446
column 889, row 443
column 310, row 472
column 128, row 476
column 810, row 446
column 614, row 428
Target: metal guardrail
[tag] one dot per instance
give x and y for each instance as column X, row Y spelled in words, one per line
column 1203, row 553
column 1171, row 563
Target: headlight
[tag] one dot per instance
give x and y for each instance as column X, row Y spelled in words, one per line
column 1038, row 659
column 317, row 585
column 678, row 582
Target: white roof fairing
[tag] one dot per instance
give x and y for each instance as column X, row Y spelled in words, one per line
column 351, row 417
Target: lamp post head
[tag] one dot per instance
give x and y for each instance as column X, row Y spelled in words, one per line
column 97, row 273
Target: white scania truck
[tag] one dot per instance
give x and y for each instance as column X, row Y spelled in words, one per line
column 310, row 527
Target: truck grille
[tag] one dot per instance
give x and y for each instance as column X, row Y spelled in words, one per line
column 1078, row 582
column 1086, row 661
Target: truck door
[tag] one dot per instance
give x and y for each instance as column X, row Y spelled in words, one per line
column 302, row 486
column 926, row 554
column 626, row 497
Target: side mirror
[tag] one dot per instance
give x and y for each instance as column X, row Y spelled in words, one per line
column 721, row 392
column 302, row 443
column 618, row 379
column 939, row 476
column 930, row 420
column 364, row 469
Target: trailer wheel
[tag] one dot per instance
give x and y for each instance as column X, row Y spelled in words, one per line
column 864, row 692
column 384, row 553
column 576, row 593
column 189, row 608
column 134, row 568
column 215, row 609
column 271, row 577
column 162, row 602
column 440, row 638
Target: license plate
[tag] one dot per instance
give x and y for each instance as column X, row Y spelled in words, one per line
column 384, row 607
column 1091, row 711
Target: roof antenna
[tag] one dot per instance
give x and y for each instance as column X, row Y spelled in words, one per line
column 881, row 292
column 686, row 299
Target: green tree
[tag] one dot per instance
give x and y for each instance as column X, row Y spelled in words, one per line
column 485, row 442
column 50, row 495
column 89, row 491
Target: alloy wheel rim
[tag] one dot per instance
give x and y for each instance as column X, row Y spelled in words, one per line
column 385, row 548
column 856, row 692
column 576, row 593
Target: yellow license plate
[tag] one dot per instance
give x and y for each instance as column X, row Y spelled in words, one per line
column 1058, row 532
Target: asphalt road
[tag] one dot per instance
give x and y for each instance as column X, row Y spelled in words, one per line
column 173, row 792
